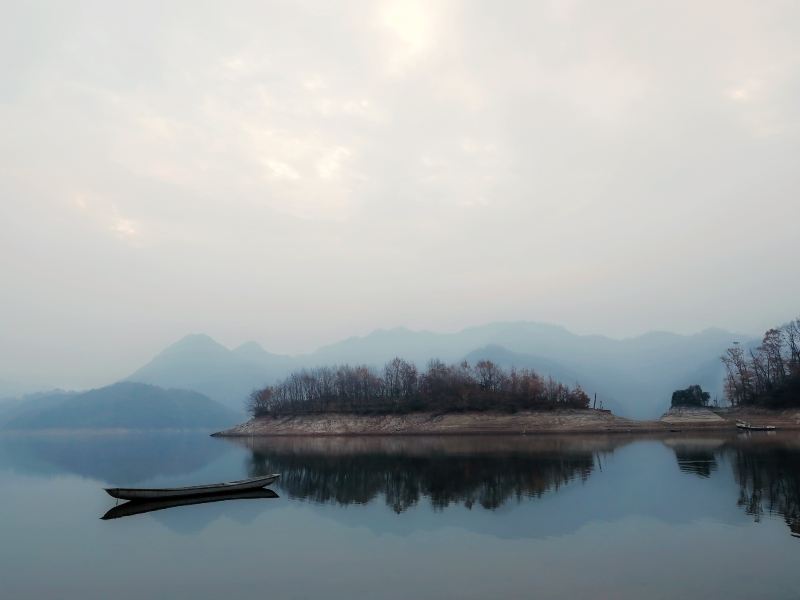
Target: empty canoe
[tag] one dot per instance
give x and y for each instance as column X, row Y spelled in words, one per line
column 137, row 507
column 749, row 427
column 195, row 490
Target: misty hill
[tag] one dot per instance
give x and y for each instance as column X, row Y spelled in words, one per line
column 634, row 376
column 124, row 405
column 32, row 404
column 10, row 390
column 505, row 358
column 199, row 363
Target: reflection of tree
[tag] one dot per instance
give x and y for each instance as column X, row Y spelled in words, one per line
column 698, row 461
column 483, row 471
column 769, row 481
column 767, row 469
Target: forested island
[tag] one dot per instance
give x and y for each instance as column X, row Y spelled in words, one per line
column 760, row 382
column 399, row 389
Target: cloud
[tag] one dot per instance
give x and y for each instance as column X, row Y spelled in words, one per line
column 126, row 228
column 411, row 23
column 333, row 163
column 280, row 170
column 329, row 166
column 104, row 216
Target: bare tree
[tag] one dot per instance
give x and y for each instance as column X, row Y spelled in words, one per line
column 399, row 388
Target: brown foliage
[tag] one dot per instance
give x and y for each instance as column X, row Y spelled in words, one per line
column 400, row 389
column 768, row 374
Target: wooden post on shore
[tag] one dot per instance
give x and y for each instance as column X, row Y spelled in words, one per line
column 595, row 401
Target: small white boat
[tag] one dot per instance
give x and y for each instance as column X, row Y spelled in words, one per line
column 195, row 490
column 749, row 427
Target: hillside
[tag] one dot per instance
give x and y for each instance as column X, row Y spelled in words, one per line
column 635, row 376
column 32, row 404
column 198, row 363
column 123, row 405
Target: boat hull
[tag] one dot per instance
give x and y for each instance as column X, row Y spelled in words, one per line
column 187, row 492
column 748, row 427
column 137, row 507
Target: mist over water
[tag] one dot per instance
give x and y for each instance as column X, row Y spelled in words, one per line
column 398, row 517
column 417, row 208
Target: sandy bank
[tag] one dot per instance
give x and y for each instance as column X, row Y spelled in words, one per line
column 725, row 418
column 560, row 421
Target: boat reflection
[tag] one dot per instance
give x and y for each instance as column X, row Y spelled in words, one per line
column 137, row 507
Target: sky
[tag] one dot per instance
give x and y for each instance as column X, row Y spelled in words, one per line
column 299, row 172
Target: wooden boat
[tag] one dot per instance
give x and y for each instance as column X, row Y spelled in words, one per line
column 749, row 427
column 196, row 490
column 137, row 507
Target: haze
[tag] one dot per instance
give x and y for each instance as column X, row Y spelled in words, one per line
column 296, row 173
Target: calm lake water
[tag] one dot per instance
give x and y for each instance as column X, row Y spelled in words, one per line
column 685, row 516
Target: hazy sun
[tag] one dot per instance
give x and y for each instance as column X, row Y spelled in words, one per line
column 410, row 21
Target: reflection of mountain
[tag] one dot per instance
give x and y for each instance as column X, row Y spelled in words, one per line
column 485, row 471
column 114, row 459
column 189, row 520
column 766, row 468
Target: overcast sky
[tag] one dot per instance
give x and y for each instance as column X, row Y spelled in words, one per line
column 297, row 172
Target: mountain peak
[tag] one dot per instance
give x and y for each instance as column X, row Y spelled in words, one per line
column 196, row 338
column 253, row 351
column 249, row 348
column 196, row 342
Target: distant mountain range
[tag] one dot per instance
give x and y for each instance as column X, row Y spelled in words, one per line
column 125, row 405
column 198, row 363
column 634, row 376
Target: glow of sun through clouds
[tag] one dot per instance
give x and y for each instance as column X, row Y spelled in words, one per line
column 411, row 22
column 329, row 166
column 280, row 170
column 745, row 92
column 125, row 228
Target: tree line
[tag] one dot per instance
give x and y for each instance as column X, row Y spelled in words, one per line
column 400, row 388
column 691, row 396
column 767, row 375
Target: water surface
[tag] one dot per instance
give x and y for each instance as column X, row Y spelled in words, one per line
column 464, row 517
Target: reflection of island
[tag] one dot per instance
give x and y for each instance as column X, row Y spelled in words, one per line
column 487, row 471
column 698, row 461
column 697, row 455
column 766, row 467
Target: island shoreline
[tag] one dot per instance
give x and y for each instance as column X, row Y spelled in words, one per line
column 565, row 421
